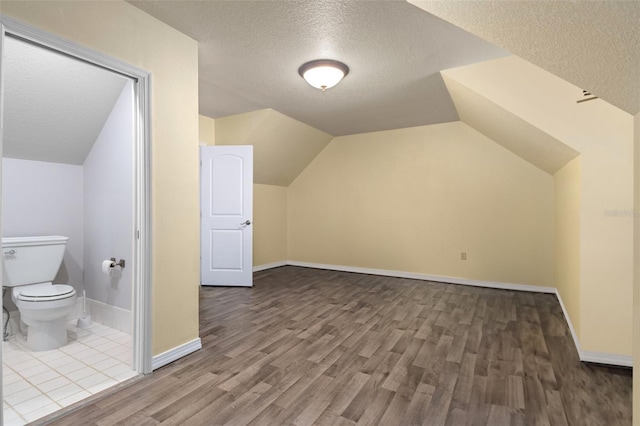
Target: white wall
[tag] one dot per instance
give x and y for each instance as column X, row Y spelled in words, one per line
column 108, row 205
column 41, row 198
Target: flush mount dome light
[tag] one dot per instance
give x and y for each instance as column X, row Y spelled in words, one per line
column 323, row 73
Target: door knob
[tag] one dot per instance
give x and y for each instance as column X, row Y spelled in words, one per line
column 246, row 222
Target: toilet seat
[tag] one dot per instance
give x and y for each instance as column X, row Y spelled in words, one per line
column 44, row 292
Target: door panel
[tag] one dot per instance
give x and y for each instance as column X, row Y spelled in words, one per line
column 226, row 209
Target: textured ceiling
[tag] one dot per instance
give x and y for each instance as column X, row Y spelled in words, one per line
column 592, row 44
column 54, row 106
column 250, row 51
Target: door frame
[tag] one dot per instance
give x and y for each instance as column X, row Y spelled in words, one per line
column 141, row 293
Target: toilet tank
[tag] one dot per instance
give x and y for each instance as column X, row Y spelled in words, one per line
column 31, row 260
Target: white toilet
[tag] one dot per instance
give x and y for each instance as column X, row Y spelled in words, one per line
column 30, row 264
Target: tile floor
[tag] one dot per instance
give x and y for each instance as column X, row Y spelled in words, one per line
column 38, row 383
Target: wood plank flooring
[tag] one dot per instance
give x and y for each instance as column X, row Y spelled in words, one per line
column 308, row 346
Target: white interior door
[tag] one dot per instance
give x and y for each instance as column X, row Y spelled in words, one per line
column 226, row 208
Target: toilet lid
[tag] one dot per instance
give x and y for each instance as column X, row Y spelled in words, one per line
column 47, row 291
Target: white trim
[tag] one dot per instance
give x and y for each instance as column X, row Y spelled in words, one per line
column 425, row 277
column 574, row 335
column 271, row 265
column 112, row 316
column 589, row 356
column 176, row 353
column 141, row 300
column 606, row 358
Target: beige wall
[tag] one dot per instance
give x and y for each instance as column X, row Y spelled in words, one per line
column 207, row 132
column 413, row 199
column 603, row 135
column 269, row 224
column 123, row 31
column 282, row 146
column 567, row 238
column 607, row 240
column 269, row 205
column 636, row 272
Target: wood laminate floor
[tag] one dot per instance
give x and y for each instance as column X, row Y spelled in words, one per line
column 308, row 346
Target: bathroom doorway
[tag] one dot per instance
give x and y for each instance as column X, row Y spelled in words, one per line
column 76, row 163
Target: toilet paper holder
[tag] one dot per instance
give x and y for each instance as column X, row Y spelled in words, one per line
column 120, row 263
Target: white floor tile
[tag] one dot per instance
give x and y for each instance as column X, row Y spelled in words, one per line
column 11, row 377
column 54, row 384
column 99, row 387
column 85, row 353
column 9, row 414
column 125, row 376
column 107, row 346
column 47, row 375
column 70, row 367
column 92, row 380
column 74, row 398
column 39, row 383
column 32, row 405
column 106, row 364
column 52, row 356
column 77, row 375
column 93, row 360
column 11, row 388
column 73, row 348
column 64, row 392
column 118, row 351
column 30, row 372
column 15, row 422
column 64, row 360
column 43, row 411
column 26, row 365
column 125, row 357
column 117, row 370
column 24, row 395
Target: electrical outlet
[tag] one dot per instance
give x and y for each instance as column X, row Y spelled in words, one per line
column 463, row 255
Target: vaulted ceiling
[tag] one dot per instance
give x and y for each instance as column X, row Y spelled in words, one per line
column 54, row 106
column 408, row 68
column 250, row 51
column 594, row 45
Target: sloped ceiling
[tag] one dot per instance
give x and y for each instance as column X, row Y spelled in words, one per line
column 509, row 130
column 250, row 52
column 533, row 112
column 54, row 106
column 283, row 147
column 594, row 45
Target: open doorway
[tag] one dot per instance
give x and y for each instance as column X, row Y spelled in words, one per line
column 75, row 163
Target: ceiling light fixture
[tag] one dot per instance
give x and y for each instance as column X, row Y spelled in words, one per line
column 323, row 73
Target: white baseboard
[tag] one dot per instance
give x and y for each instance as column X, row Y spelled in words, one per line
column 606, row 358
column 590, row 356
column 425, row 277
column 574, row 335
column 586, row 356
column 176, row 353
column 271, row 265
column 111, row 316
